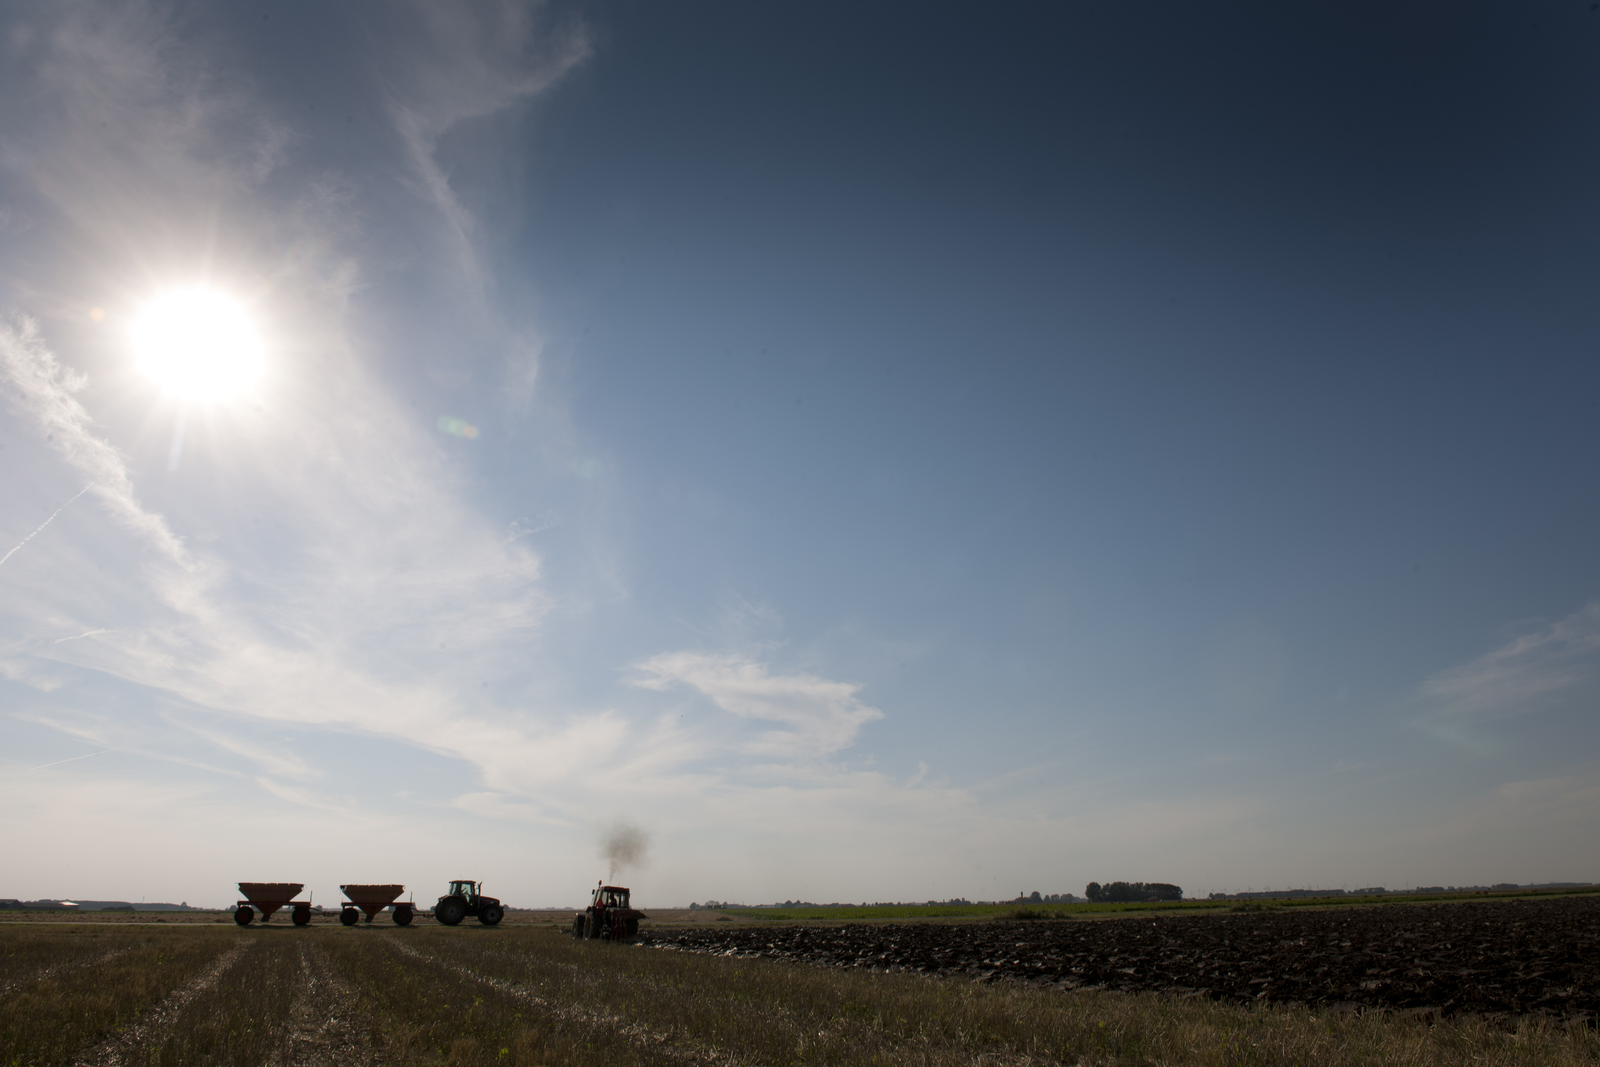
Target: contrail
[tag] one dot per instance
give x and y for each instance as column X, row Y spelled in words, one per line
column 42, row 525
column 86, row 755
column 80, row 637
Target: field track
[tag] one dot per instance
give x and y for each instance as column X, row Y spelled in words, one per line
column 1488, row 958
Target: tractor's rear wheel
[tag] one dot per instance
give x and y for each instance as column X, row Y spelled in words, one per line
column 402, row 916
column 301, row 915
column 577, row 926
column 349, row 916
column 450, row 912
column 491, row 914
column 244, row 915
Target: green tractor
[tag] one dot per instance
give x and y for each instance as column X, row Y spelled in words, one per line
column 464, row 900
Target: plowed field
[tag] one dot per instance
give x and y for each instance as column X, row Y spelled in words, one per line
column 1491, row 957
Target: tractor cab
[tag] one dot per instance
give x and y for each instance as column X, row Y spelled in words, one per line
column 610, row 896
column 467, row 891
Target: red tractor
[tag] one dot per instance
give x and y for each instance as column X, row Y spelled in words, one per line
column 608, row 917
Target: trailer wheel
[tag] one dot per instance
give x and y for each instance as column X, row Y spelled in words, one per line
column 577, row 926
column 302, row 915
column 244, row 915
column 402, row 916
column 491, row 914
column 349, row 916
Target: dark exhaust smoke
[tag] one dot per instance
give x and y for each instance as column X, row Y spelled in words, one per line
column 625, row 845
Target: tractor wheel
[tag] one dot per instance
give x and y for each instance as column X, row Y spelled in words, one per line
column 593, row 927
column 244, row 915
column 402, row 916
column 450, row 911
column 577, row 927
column 491, row 914
column 349, row 916
column 633, row 928
column 302, row 915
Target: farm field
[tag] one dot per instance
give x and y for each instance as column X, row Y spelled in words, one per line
column 865, row 912
column 1488, row 957
column 530, row 995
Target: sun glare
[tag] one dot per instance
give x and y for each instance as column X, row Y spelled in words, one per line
column 198, row 344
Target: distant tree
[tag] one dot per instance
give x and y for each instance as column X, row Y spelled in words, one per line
column 1127, row 892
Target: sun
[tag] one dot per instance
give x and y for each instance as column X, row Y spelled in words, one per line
column 198, row 344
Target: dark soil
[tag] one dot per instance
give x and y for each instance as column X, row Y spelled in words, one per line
column 1491, row 957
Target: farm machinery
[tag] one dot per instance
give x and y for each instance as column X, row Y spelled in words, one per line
column 465, row 899
column 268, row 897
column 609, row 917
column 371, row 899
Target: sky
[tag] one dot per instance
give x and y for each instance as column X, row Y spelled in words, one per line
column 875, row 453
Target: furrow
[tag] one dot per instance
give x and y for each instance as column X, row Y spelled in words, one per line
column 639, row 1034
column 151, row 1028
column 322, row 1027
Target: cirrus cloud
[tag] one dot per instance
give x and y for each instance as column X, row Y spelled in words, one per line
column 820, row 716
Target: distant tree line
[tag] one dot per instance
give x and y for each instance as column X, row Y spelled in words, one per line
column 1127, row 892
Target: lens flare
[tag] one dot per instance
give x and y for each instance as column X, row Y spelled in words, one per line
column 198, row 344
column 457, row 427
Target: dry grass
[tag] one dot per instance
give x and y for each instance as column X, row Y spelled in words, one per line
column 29, row 954
column 431, row 996
column 120, row 974
column 239, row 1019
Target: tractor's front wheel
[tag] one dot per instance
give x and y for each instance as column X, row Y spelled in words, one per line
column 244, row 915
column 491, row 914
column 577, row 927
column 633, row 928
column 450, row 912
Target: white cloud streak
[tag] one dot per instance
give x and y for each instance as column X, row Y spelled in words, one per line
column 40, row 527
column 1524, row 674
column 472, row 62
column 42, row 390
column 822, row 716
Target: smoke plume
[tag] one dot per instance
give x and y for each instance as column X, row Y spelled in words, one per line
column 625, row 846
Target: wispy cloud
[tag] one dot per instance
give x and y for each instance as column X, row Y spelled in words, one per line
column 1522, row 675
column 377, row 593
column 43, row 391
column 821, row 716
column 467, row 63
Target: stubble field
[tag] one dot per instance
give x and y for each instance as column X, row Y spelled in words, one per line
column 110, row 995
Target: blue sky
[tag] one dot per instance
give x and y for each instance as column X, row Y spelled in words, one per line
column 913, row 453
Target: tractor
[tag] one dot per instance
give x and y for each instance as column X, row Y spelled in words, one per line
column 608, row 916
column 464, row 900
